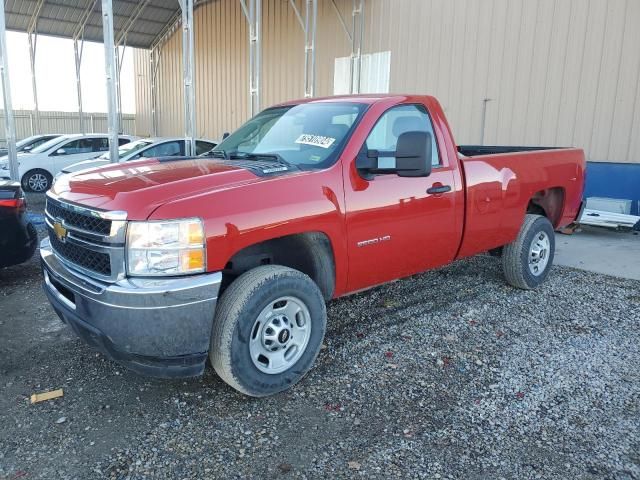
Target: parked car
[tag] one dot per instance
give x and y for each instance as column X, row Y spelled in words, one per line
column 163, row 263
column 144, row 148
column 29, row 143
column 18, row 237
column 38, row 167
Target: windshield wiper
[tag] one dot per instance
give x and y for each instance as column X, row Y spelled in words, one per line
column 274, row 157
column 216, row 154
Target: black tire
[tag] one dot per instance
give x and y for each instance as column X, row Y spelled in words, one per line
column 42, row 175
column 32, row 243
column 515, row 256
column 236, row 312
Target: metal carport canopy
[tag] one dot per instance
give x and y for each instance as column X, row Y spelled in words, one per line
column 114, row 23
column 64, row 18
column 147, row 24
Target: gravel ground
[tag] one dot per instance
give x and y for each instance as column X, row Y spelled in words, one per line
column 448, row 374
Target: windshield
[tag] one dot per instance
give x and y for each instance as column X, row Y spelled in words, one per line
column 47, row 145
column 24, row 141
column 309, row 136
column 128, row 148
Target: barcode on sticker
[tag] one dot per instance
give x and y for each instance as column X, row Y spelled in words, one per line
column 315, row 140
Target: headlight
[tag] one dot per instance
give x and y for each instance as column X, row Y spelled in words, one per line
column 172, row 247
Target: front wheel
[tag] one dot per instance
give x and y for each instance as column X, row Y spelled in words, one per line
column 268, row 330
column 37, row 180
column 526, row 262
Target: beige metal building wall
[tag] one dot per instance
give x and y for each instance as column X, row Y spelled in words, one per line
column 520, row 72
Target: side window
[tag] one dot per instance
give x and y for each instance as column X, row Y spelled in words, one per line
column 202, row 147
column 101, row 144
column 168, row 149
column 123, row 141
column 83, row 145
column 398, row 120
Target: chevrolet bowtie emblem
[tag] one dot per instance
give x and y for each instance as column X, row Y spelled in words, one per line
column 60, row 231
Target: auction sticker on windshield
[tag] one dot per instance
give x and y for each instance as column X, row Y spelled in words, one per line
column 315, row 140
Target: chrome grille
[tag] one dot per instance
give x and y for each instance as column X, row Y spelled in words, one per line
column 83, row 257
column 87, row 222
column 90, row 240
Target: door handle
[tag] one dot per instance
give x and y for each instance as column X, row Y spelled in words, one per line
column 439, row 189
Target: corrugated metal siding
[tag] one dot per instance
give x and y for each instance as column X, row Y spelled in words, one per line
column 533, row 72
column 63, row 122
column 142, row 79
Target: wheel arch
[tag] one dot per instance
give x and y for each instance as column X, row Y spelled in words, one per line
column 548, row 203
column 309, row 252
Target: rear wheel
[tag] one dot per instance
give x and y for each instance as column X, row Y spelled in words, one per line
column 526, row 262
column 268, row 330
column 37, row 180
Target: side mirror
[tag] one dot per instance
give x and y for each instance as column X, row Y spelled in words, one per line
column 225, row 135
column 61, row 151
column 27, row 148
column 412, row 157
column 413, row 154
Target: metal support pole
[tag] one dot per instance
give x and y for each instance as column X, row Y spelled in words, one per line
column 110, row 70
column 119, row 60
column 357, row 35
column 157, row 58
column 33, row 40
column 188, row 59
column 310, row 47
column 77, row 50
column 155, row 62
column 253, row 15
column 9, row 124
column 77, row 54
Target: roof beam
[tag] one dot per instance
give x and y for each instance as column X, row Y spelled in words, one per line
column 172, row 25
column 33, row 23
column 132, row 20
column 78, row 10
column 88, row 10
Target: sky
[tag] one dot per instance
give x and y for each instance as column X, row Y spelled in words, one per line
column 56, row 77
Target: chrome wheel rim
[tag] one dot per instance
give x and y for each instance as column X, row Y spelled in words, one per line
column 539, row 252
column 38, row 182
column 280, row 335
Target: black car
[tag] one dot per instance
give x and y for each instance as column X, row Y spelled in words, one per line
column 18, row 237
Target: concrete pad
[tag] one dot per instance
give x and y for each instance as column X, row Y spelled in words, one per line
column 600, row 250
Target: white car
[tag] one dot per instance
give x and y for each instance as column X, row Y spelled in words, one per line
column 29, row 143
column 38, row 167
column 143, row 148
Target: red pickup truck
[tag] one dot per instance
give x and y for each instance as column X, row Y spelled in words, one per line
column 162, row 263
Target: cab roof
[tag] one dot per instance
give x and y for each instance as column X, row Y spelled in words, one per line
column 366, row 98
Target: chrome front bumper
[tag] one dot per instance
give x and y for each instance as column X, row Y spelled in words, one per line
column 158, row 327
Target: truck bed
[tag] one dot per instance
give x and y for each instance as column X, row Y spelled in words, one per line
column 500, row 187
column 477, row 150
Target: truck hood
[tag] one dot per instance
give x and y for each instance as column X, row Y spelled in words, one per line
column 139, row 187
column 85, row 164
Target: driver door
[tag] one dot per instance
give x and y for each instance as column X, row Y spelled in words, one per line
column 398, row 226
